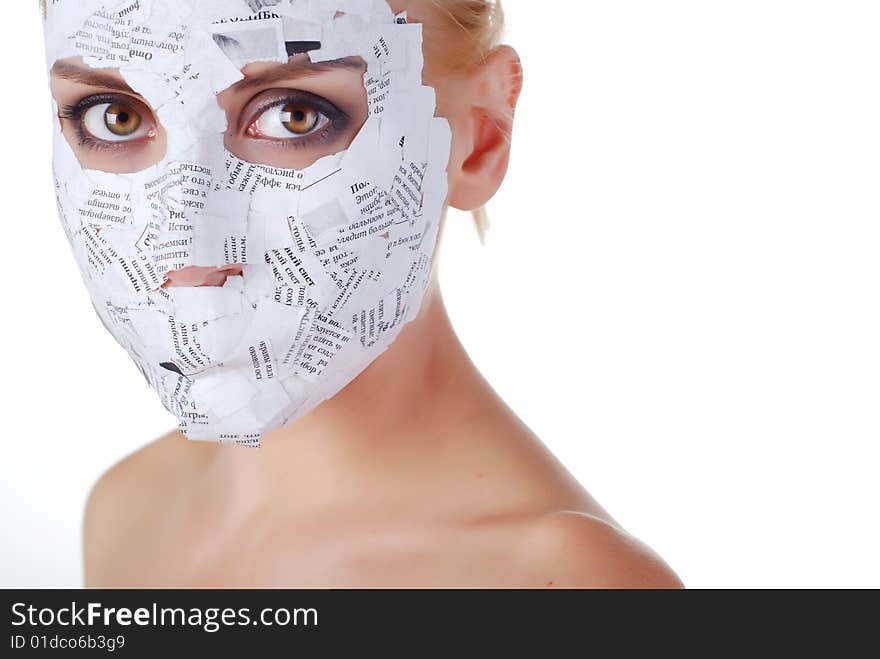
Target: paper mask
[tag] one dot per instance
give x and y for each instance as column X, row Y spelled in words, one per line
column 247, row 289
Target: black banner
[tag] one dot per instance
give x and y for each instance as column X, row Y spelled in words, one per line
column 414, row 623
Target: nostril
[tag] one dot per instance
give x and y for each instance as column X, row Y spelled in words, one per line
column 195, row 276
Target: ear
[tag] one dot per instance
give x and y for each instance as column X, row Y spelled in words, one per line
column 482, row 129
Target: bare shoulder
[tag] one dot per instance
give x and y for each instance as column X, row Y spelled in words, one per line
column 568, row 549
column 134, row 479
column 119, row 500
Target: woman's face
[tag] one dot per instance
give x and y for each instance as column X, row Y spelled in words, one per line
column 254, row 197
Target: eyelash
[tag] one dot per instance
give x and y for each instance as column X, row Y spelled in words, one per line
column 75, row 114
column 337, row 119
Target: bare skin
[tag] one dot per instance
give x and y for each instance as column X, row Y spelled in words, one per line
column 416, row 475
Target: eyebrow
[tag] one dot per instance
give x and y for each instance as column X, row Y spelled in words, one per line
column 91, row 77
column 289, row 71
column 294, row 70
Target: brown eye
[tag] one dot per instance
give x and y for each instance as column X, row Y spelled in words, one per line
column 122, row 120
column 299, row 119
column 291, row 120
column 117, row 122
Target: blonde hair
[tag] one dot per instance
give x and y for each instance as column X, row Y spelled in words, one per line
column 469, row 30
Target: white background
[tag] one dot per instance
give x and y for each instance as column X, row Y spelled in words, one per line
column 692, row 209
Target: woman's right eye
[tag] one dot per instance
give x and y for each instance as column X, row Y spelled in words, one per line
column 113, row 122
column 104, row 121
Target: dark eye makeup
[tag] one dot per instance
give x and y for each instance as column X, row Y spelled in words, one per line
column 291, row 105
column 125, row 113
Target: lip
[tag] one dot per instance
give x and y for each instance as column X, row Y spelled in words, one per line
column 196, row 276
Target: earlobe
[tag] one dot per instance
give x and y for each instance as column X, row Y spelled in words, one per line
column 494, row 88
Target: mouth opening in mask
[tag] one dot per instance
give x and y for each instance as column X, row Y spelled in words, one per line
column 198, row 276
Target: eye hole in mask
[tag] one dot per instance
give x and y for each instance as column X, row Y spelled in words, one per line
column 112, row 132
column 292, row 115
column 107, row 125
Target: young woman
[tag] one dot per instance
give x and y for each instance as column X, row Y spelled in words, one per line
column 415, row 474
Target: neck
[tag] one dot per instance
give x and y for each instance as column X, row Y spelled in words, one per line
column 396, row 407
